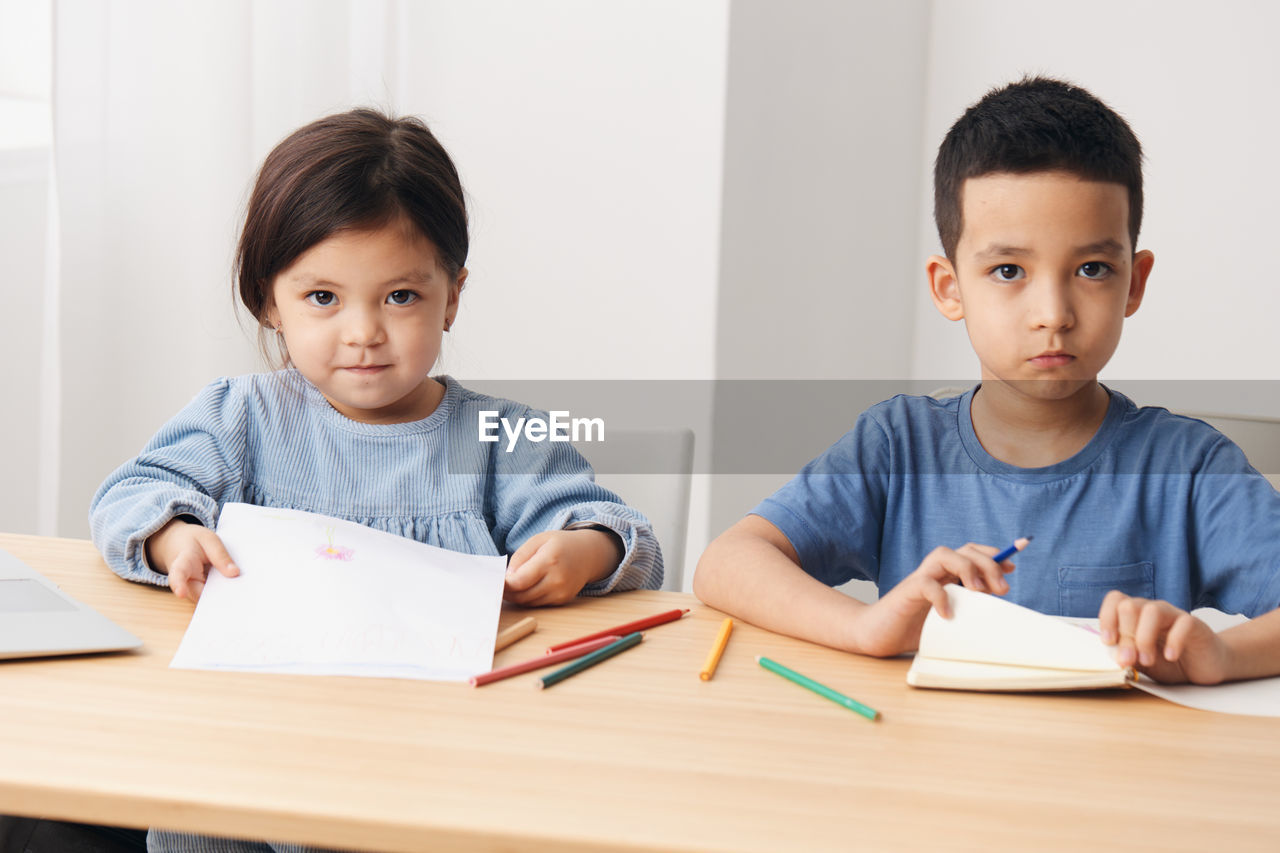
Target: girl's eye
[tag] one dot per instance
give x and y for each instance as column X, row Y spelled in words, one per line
column 1008, row 272
column 402, row 297
column 322, row 298
column 1095, row 269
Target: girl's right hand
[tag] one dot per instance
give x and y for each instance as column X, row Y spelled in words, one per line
column 892, row 625
column 184, row 552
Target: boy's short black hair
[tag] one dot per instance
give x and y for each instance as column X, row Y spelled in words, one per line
column 1037, row 124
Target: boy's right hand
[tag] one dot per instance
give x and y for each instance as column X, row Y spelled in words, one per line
column 184, row 552
column 892, row 625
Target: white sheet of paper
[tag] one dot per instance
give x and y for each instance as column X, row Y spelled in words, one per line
column 1259, row 698
column 319, row 595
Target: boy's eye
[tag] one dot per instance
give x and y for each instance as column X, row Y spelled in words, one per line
column 322, row 298
column 1094, row 269
column 402, row 297
column 1008, row 272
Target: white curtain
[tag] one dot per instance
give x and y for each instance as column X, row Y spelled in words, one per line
column 162, row 112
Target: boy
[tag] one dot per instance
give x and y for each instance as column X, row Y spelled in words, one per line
column 1138, row 514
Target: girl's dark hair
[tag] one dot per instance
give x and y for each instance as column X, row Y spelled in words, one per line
column 354, row 170
column 1035, row 125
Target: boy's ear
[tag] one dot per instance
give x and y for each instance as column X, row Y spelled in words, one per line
column 1142, row 263
column 944, row 287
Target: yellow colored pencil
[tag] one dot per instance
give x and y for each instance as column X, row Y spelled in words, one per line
column 713, row 659
column 515, row 631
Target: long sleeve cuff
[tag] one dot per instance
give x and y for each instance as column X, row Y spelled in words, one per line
column 641, row 565
column 126, row 555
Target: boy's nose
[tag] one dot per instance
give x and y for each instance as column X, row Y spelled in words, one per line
column 1051, row 308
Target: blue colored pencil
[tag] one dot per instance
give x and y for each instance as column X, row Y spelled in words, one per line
column 1012, row 549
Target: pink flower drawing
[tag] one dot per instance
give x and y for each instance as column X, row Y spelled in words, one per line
column 334, row 552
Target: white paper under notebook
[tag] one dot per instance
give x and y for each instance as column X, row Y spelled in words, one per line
column 993, row 644
column 323, row 596
column 1259, row 697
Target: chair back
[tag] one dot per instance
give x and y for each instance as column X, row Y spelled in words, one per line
column 1259, row 438
column 652, row 470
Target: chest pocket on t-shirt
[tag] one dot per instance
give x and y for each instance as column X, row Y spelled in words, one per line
column 1082, row 588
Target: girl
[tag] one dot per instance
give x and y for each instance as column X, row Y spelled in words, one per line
column 352, row 261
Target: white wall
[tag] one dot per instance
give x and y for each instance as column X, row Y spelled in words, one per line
column 822, row 149
column 821, row 176
column 590, row 139
column 1198, row 84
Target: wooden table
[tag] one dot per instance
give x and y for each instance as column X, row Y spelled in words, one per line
column 635, row 754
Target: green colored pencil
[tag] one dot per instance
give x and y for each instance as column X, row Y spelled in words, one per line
column 590, row 660
column 821, row 689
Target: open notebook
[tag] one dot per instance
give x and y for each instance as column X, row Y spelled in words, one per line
column 993, row 644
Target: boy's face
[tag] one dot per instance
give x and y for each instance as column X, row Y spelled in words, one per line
column 1044, row 275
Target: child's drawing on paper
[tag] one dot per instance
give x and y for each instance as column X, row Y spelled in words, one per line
column 332, row 551
column 302, row 605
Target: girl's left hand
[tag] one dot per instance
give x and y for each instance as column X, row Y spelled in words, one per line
column 553, row 567
column 1163, row 641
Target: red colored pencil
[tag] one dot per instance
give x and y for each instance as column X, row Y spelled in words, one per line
column 573, row 651
column 623, row 630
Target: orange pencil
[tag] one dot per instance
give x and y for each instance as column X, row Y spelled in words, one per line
column 713, row 659
column 542, row 660
column 623, row 630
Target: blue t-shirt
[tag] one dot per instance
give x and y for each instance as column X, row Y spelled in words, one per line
column 1155, row 505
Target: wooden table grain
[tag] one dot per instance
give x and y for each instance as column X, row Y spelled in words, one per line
column 635, row 754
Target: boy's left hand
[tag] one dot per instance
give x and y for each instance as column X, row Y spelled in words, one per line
column 553, row 567
column 1163, row 641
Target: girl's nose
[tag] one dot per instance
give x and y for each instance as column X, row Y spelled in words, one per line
column 363, row 329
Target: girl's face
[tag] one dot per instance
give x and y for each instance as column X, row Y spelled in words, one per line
column 362, row 314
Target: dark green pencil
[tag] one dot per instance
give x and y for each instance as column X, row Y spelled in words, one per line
column 590, row 660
